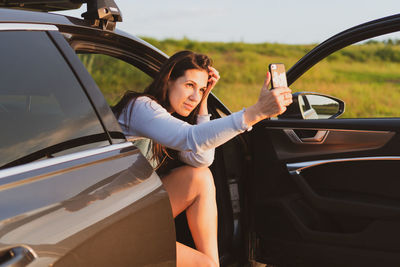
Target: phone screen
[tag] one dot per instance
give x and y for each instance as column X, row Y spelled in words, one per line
column 278, row 74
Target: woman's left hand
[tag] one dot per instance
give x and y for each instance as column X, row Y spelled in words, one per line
column 213, row 77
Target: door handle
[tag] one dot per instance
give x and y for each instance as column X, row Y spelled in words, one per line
column 16, row 256
column 318, row 138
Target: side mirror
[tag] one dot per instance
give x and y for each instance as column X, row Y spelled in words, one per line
column 308, row 105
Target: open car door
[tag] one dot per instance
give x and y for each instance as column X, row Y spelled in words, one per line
column 326, row 192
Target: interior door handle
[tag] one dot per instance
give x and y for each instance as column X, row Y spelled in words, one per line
column 16, row 256
column 318, row 138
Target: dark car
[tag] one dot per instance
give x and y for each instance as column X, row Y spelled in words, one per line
column 75, row 192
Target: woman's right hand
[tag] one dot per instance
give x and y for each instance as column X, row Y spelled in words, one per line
column 270, row 103
column 273, row 102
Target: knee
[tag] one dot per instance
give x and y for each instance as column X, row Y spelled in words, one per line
column 204, row 179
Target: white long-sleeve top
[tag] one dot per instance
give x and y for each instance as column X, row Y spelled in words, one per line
column 195, row 143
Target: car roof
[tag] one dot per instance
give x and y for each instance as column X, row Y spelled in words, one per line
column 22, row 16
column 43, row 5
column 33, row 17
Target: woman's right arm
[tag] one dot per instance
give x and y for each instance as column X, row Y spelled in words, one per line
column 149, row 119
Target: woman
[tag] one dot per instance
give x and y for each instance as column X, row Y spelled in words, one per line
column 172, row 112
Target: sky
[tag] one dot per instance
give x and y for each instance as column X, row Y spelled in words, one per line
column 252, row 21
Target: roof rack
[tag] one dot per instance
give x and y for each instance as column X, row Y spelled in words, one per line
column 101, row 13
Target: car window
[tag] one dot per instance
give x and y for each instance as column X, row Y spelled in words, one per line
column 114, row 76
column 44, row 111
column 366, row 76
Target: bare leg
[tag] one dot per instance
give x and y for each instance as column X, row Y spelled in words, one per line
column 189, row 257
column 192, row 189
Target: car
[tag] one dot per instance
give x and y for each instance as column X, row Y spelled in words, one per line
column 303, row 189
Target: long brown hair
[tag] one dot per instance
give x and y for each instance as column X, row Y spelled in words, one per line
column 171, row 70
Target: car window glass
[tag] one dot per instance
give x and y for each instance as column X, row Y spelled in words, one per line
column 366, row 76
column 114, row 76
column 43, row 109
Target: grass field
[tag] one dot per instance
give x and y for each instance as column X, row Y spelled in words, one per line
column 366, row 76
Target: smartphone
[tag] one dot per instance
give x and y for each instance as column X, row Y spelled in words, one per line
column 278, row 74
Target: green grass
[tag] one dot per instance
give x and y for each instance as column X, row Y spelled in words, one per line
column 365, row 76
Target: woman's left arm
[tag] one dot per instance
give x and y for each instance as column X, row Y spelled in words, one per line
column 213, row 77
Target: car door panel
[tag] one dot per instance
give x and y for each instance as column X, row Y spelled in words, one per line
column 325, row 192
column 340, row 194
column 82, row 206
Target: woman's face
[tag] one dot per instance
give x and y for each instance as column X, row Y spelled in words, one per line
column 186, row 92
